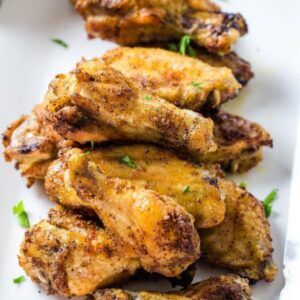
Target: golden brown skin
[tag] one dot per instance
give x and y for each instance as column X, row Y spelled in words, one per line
column 242, row 243
column 157, row 169
column 159, row 231
column 69, row 255
column 229, row 287
column 124, row 110
column 239, row 143
column 174, row 77
column 32, row 143
column 140, row 21
column 240, row 68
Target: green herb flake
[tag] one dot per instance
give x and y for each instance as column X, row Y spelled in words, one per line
column 243, row 185
column 148, row 98
column 92, row 145
column 173, row 47
column 184, row 44
column 186, row 189
column 60, row 43
column 197, row 85
column 21, row 214
column 127, row 160
column 268, row 201
column 19, row 280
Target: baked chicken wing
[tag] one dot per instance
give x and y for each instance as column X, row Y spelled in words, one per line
column 159, row 231
column 32, row 143
column 120, row 109
column 184, row 81
column 134, row 22
column 71, row 256
column 228, row 287
column 194, row 188
column 242, row 243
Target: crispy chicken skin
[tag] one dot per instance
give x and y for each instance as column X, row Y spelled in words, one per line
column 32, row 143
column 159, row 231
column 141, row 21
column 157, row 169
column 242, row 243
column 184, row 81
column 239, row 143
column 229, row 287
column 124, row 109
column 69, row 255
column 240, row 68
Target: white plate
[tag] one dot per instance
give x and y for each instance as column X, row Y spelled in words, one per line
column 29, row 60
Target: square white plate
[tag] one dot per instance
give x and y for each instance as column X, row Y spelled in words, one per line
column 29, row 60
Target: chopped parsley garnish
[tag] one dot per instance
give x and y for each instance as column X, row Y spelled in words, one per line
column 92, row 145
column 267, row 203
column 186, row 189
column 148, row 98
column 19, row 280
column 127, row 160
column 21, row 214
column 197, row 85
column 60, row 43
column 184, row 47
column 184, row 44
column 243, row 185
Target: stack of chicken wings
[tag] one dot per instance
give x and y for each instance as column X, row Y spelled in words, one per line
column 132, row 147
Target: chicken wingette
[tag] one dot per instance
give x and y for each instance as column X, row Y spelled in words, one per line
column 134, row 22
column 242, row 243
column 120, row 109
column 159, row 230
column 196, row 189
column 229, row 287
column 184, row 81
column 72, row 256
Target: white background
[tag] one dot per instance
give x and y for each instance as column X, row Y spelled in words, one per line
column 29, row 60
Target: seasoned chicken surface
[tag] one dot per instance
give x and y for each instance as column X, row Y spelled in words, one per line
column 239, row 143
column 229, row 287
column 242, row 243
column 159, row 231
column 140, row 21
column 32, row 143
column 194, row 188
column 69, row 255
column 184, row 81
column 240, row 68
column 121, row 109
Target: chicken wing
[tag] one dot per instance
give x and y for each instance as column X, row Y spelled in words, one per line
column 122, row 110
column 71, row 256
column 242, row 243
column 228, row 287
column 159, row 231
column 134, row 22
column 194, row 188
column 184, row 81
column 32, row 143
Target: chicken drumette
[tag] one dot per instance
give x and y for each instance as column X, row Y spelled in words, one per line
column 134, row 22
